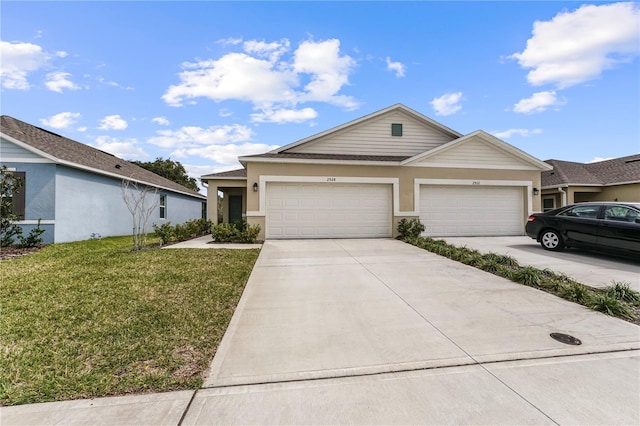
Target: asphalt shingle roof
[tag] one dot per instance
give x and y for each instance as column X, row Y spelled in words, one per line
column 238, row 173
column 70, row 151
column 617, row 170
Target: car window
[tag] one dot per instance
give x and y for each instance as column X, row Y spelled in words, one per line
column 621, row 214
column 590, row 211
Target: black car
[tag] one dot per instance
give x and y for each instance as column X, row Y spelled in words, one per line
column 607, row 226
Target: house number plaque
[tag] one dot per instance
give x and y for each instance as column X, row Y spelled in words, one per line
column 331, row 179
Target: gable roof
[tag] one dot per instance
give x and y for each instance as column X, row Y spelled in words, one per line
column 233, row 174
column 397, row 107
column 609, row 172
column 487, row 138
column 65, row 151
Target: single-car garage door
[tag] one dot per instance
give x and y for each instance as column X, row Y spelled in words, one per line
column 328, row 210
column 448, row 210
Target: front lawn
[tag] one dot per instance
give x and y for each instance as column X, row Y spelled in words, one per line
column 91, row 318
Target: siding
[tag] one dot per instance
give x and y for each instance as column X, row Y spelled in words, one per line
column 373, row 137
column 12, row 152
column 476, row 153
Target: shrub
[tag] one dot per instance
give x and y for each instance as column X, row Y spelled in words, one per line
column 576, row 293
column 622, row 291
column 166, row 232
column 250, row 234
column 410, row 228
column 34, row 238
column 223, row 232
column 528, row 276
column 611, row 306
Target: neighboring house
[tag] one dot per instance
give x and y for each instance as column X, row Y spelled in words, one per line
column 359, row 179
column 76, row 190
column 610, row 180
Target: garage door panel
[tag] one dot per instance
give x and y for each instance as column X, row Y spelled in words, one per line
column 448, row 210
column 317, row 210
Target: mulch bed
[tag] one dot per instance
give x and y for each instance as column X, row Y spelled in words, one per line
column 12, row 251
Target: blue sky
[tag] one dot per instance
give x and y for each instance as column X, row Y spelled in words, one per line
column 204, row 82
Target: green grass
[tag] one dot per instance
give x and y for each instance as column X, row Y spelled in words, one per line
column 91, row 318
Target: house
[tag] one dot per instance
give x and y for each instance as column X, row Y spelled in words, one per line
column 76, row 190
column 617, row 179
column 359, row 179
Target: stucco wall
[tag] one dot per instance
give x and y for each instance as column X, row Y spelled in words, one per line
column 88, row 204
column 406, row 176
column 39, row 191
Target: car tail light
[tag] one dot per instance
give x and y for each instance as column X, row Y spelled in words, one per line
column 531, row 219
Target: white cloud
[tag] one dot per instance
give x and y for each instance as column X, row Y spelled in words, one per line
column 17, row 60
column 106, row 82
column 577, row 46
column 224, row 112
column 122, row 148
column 520, row 132
column 61, row 120
column 538, row 102
column 192, row 136
column 61, row 54
column 398, row 67
column 224, row 154
column 447, row 104
column 56, row 81
column 161, row 121
column 113, row 122
column 263, row 76
column 82, row 129
column 284, row 116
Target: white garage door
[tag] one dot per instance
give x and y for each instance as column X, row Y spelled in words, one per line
column 448, row 211
column 332, row 210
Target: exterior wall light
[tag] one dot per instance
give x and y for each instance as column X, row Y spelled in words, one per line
column 535, row 191
column 255, row 186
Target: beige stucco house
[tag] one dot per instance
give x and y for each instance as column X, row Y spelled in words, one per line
column 617, row 179
column 359, row 179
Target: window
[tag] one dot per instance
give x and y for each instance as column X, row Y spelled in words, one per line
column 548, row 203
column 396, row 129
column 589, row 212
column 16, row 199
column 163, row 206
column 621, row 214
column 204, row 210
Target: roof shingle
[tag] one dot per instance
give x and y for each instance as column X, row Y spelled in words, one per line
column 79, row 154
column 608, row 172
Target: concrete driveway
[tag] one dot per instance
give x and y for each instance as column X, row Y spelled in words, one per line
column 380, row 332
column 590, row 268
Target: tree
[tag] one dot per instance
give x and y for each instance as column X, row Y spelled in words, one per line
column 171, row 170
column 136, row 197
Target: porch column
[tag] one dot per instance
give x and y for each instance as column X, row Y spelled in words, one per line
column 212, row 201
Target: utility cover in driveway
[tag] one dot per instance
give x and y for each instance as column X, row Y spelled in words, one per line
column 331, row 210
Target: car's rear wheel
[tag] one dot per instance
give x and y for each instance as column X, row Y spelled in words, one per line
column 551, row 240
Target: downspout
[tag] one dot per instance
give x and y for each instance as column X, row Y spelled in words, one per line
column 563, row 197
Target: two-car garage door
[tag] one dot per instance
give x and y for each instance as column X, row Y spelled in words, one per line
column 450, row 210
column 328, row 210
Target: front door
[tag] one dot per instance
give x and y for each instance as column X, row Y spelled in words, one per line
column 235, row 208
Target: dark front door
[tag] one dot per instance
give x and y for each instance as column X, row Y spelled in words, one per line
column 235, row 208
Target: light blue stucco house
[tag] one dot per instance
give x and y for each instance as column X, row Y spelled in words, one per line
column 76, row 190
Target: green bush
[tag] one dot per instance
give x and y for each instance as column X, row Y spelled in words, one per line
column 622, row 291
column 576, row 293
column 611, row 306
column 250, row 234
column 528, row 276
column 223, row 232
column 239, row 232
column 166, row 232
column 410, row 228
column 34, row 238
